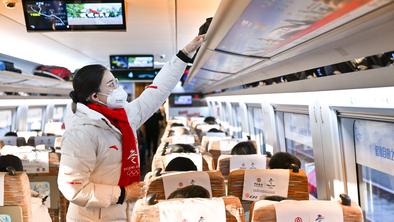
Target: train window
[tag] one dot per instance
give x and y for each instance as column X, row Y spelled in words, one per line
column 216, row 110
column 211, row 109
column 5, row 121
column 298, row 141
column 58, row 113
column 236, row 120
column 226, row 119
column 222, row 113
column 256, row 125
column 373, row 144
column 34, row 119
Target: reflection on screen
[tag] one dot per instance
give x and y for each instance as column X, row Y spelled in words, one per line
column 131, row 61
column 183, row 100
column 66, row 15
column 95, row 14
column 145, row 61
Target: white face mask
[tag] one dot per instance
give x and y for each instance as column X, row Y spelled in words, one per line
column 116, row 99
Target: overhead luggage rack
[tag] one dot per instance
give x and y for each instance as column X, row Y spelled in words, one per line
column 13, row 82
column 257, row 40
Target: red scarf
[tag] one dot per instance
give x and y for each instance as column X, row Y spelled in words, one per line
column 130, row 171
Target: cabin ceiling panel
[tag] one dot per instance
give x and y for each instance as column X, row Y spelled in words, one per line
column 150, row 30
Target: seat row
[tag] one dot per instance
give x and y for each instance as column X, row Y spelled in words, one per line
column 224, row 186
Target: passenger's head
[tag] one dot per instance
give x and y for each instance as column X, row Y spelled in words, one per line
column 283, row 160
column 182, row 148
column 176, row 124
column 10, row 161
column 244, row 148
column 192, row 191
column 210, row 120
column 1, row 144
column 94, row 83
column 275, row 198
column 179, row 132
column 214, row 130
column 11, row 134
column 181, row 164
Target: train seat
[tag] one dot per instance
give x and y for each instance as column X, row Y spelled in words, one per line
column 317, row 210
column 228, row 163
column 223, row 209
column 165, row 184
column 17, row 192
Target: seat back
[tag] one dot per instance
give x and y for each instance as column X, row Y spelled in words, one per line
column 48, row 141
column 205, row 140
column 9, row 140
column 187, row 139
column 11, row 213
column 266, row 211
column 216, row 180
column 151, row 213
column 208, row 163
column 17, row 193
column 224, row 164
column 297, row 186
column 220, row 146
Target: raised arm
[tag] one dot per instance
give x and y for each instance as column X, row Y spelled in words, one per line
column 140, row 109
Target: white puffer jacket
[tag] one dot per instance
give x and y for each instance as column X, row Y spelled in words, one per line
column 92, row 152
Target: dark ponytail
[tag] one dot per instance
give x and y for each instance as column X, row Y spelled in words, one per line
column 86, row 81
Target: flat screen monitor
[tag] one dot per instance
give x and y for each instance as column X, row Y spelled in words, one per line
column 121, row 62
column 74, row 15
column 183, row 100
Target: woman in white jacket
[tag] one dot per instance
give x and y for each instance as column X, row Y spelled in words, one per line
column 99, row 169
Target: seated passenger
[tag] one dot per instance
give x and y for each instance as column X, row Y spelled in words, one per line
column 191, row 191
column 244, row 148
column 210, row 120
column 11, row 134
column 1, row 144
column 214, row 130
column 283, row 160
column 181, row 164
column 10, row 161
column 182, row 148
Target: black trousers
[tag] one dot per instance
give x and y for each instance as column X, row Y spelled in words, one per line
column 152, row 140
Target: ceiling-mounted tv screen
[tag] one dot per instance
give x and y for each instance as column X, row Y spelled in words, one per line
column 183, row 100
column 74, row 15
column 121, row 62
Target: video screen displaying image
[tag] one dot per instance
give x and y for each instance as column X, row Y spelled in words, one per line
column 131, row 61
column 95, row 14
column 139, row 62
column 119, row 62
column 74, row 15
column 46, row 15
column 183, row 100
